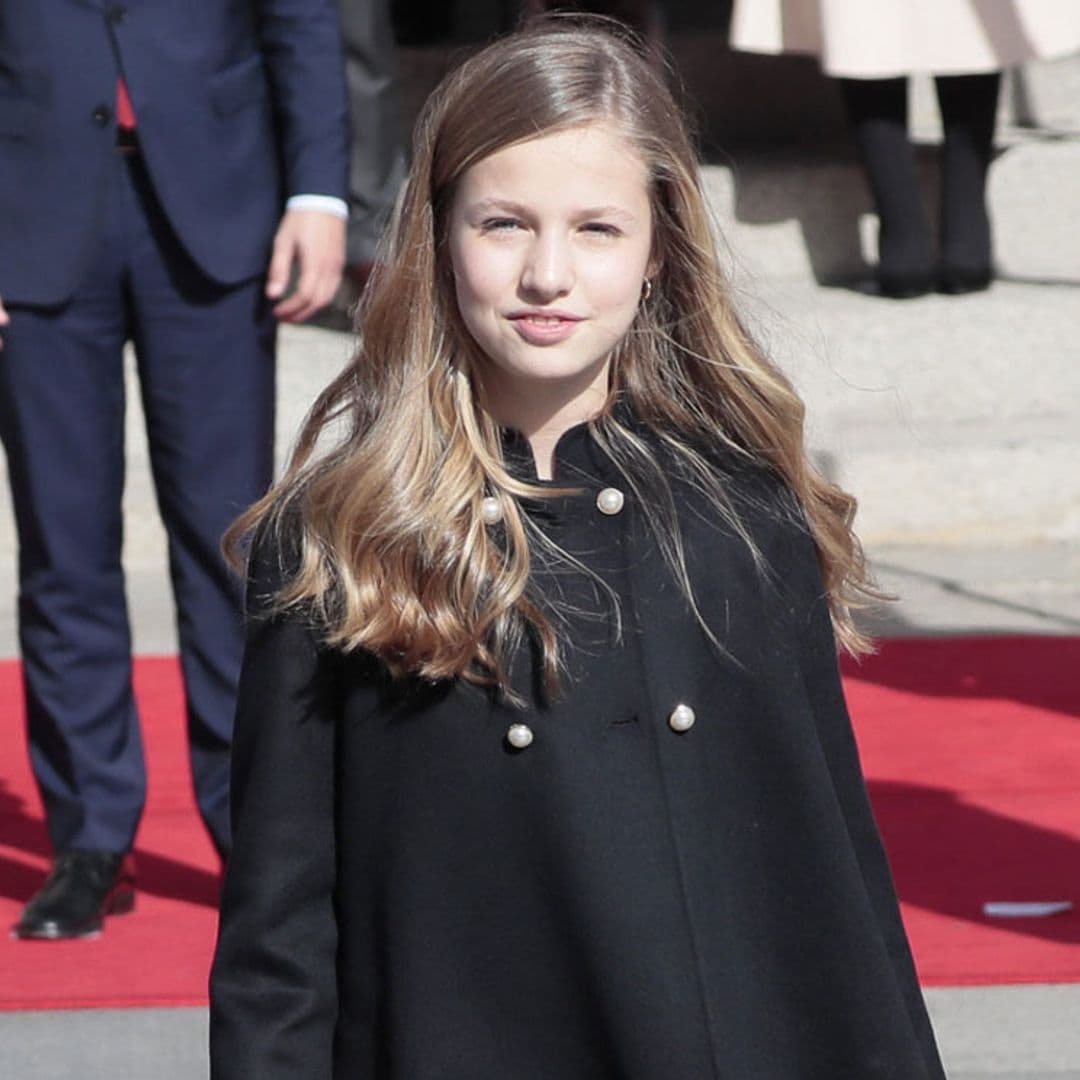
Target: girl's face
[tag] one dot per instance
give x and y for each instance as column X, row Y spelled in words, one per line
column 550, row 242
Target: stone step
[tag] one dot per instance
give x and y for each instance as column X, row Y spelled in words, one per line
column 954, row 420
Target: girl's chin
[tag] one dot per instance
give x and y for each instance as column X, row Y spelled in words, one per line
column 550, row 376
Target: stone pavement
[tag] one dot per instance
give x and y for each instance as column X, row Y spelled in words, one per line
column 997, row 1033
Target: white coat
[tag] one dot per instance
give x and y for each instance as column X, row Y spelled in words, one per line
column 879, row 39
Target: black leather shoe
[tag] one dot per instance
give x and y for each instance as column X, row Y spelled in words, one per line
column 81, row 889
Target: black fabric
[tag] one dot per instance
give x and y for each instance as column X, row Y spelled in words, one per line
column 968, row 111
column 878, row 111
column 411, row 898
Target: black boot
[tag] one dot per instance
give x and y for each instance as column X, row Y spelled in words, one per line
column 81, row 889
column 968, row 111
column 877, row 109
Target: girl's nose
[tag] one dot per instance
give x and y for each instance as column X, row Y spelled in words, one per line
column 548, row 271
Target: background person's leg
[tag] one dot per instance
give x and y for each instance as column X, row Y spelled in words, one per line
column 968, row 112
column 878, row 111
column 206, row 365
column 377, row 163
column 62, row 423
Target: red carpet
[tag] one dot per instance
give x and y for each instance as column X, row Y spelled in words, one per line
column 972, row 746
column 158, row 955
column 972, row 750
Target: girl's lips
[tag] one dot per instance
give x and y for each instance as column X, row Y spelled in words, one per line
column 544, row 329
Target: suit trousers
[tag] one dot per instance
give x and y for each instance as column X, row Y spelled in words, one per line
column 377, row 160
column 205, row 362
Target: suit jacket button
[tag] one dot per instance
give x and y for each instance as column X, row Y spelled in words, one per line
column 101, row 115
column 117, row 13
column 610, row 501
column 519, row 736
column 681, row 719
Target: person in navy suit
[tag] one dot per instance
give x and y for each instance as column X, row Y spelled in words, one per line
column 173, row 175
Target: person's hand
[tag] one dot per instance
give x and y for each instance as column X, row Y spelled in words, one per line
column 316, row 240
column 5, row 318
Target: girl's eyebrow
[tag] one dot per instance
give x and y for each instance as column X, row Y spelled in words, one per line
column 508, row 206
column 607, row 212
column 505, row 206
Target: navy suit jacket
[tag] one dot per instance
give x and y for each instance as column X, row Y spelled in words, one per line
column 240, row 103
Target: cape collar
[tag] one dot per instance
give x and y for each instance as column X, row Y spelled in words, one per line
column 577, row 453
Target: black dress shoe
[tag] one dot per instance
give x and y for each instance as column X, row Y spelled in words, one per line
column 81, row 889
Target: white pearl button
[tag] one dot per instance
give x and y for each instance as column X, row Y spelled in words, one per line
column 610, row 501
column 681, row 719
column 491, row 510
column 519, row 736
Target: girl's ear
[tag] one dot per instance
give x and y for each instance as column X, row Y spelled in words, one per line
column 656, row 259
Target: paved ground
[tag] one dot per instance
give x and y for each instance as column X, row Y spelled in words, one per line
column 1006, row 1033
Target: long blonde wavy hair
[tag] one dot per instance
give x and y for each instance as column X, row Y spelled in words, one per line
column 396, row 456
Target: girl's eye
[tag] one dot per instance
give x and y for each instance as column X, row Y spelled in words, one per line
column 600, row 228
column 500, row 224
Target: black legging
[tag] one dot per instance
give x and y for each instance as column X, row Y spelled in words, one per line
column 878, row 111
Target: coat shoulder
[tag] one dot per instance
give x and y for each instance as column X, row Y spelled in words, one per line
column 757, row 496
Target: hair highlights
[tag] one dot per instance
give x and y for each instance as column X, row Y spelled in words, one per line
column 397, row 455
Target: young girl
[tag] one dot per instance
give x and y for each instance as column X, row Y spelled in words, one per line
column 542, row 767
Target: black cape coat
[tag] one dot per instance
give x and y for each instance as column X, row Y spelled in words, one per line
column 412, row 897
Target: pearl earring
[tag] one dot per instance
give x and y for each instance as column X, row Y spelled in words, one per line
column 646, row 290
